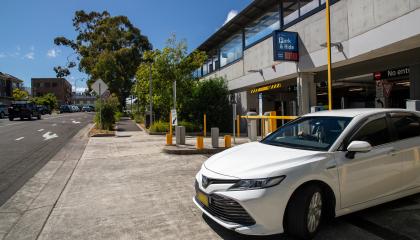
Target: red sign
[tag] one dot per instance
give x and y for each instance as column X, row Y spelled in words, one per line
column 378, row 75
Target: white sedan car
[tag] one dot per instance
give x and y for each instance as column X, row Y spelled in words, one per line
column 321, row 165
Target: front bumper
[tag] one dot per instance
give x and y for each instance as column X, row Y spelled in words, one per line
column 266, row 207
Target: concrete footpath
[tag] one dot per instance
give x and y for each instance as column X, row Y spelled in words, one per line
column 124, row 187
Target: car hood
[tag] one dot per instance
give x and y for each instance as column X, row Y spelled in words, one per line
column 257, row 160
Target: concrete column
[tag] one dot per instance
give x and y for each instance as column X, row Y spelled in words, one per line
column 415, row 82
column 306, row 92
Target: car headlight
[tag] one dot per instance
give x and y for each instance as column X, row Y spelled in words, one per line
column 250, row 184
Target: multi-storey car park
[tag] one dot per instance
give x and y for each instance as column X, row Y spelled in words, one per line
column 375, row 55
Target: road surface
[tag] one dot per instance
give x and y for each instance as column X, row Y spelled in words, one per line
column 26, row 146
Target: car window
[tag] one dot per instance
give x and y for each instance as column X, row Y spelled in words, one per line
column 374, row 132
column 407, row 125
column 311, row 133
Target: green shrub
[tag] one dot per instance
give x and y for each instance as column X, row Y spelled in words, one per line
column 106, row 113
column 189, row 126
column 138, row 118
column 118, row 116
column 159, row 126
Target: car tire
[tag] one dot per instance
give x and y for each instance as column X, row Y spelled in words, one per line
column 11, row 118
column 1, row 115
column 30, row 117
column 305, row 212
column 39, row 117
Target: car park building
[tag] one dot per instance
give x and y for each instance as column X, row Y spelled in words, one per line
column 7, row 84
column 60, row 87
column 83, row 99
column 375, row 55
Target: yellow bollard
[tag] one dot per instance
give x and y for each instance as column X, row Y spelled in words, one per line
column 168, row 139
column 205, row 125
column 238, row 126
column 200, row 142
column 273, row 121
column 228, row 141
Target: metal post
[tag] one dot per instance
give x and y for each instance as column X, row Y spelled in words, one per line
column 150, row 94
column 170, row 123
column 174, row 89
column 233, row 122
column 100, row 107
column 328, row 27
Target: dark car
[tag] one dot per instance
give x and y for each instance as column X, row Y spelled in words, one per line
column 3, row 111
column 23, row 110
column 44, row 109
column 87, row 108
column 65, row 109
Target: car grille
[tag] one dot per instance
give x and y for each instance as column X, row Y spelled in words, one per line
column 227, row 210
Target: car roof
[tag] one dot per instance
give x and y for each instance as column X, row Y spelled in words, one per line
column 353, row 112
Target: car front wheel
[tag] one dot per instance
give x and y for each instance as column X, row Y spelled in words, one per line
column 39, row 117
column 304, row 212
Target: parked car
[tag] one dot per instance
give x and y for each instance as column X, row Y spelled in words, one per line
column 23, row 110
column 74, row 108
column 321, row 165
column 65, row 109
column 44, row 109
column 87, row 108
column 3, row 111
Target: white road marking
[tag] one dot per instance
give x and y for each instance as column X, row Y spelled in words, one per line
column 40, row 130
column 49, row 135
column 75, row 122
column 55, row 124
column 18, row 139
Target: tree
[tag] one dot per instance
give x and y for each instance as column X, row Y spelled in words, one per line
column 169, row 64
column 19, row 94
column 48, row 99
column 212, row 98
column 109, row 48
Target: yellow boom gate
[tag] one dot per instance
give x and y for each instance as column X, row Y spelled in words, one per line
column 269, row 123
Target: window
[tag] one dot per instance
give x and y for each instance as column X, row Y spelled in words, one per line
column 47, row 85
column 407, row 125
column 231, row 50
column 54, row 84
column 310, row 133
column 374, row 132
column 262, row 27
column 290, row 11
column 307, row 6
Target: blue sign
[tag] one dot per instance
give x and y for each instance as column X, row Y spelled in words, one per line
column 286, row 47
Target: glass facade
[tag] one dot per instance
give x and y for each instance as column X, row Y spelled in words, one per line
column 262, row 27
column 231, row 50
column 280, row 16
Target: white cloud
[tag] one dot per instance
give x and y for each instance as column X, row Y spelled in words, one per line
column 30, row 55
column 32, row 48
column 2, row 55
column 232, row 13
column 53, row 53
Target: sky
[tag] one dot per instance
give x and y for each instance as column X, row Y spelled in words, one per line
column 28, row 28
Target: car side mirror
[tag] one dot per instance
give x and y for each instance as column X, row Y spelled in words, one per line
column 357, row 147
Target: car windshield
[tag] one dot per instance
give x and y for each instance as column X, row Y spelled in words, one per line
column 309, row 133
